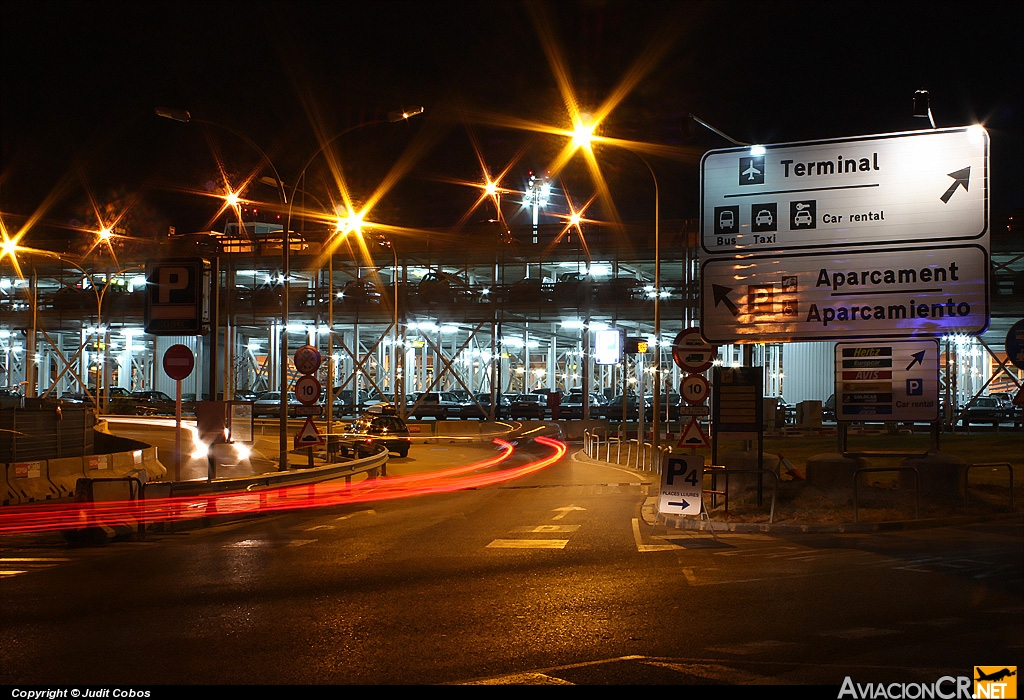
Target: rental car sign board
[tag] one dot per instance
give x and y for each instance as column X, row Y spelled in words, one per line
column 893, row 189
column 836, row 296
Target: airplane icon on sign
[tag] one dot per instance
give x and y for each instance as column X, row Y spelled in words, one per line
column 751, row 169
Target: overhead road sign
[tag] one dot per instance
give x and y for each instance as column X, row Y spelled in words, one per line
column 889, row 189
column 888, row 380
column 916, row 292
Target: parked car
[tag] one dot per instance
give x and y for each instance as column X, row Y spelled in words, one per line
column 613, row 409
column 439, row 287
column 361, row 292
column 152, row 403
column 828, row 409
column 269, row 404
column 572, row 405
column 621, row 290
column 481, row 407
column 436, row 404
column 384, row 429
column 531, row 406
column 668, row 406
column 532, row 290
column 11, row 398
column 574, row 288
column 984, row 409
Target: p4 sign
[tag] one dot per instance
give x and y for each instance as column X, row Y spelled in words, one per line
column 682, row 485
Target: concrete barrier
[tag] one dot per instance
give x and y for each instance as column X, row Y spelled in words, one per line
column 457, row 428
column 64, row 474
column 29, row 482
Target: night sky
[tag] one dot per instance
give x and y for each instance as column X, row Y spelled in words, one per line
column 79, row 82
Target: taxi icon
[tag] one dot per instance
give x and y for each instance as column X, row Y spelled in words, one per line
column 763, row 218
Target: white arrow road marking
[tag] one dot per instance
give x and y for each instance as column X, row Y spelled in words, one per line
column 565, row 511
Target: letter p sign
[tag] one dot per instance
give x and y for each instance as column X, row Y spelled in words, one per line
column 174, row 286
column 915, row 387
column 175, row 297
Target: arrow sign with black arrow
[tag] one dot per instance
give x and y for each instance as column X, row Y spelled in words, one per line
column 960, row 177
column 721, row 294
column 918, row 358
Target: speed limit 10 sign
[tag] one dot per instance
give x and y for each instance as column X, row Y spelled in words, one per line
column 694, row 389
column 307, row 389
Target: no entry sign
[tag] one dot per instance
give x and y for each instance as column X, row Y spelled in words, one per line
column 179, row 362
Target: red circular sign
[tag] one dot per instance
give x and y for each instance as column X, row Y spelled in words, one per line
column 307, row 389
column 694, row 389
column 179, row 362
column 690, row 352
column 307, row 359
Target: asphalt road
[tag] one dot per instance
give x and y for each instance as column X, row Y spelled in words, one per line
column 553, row 578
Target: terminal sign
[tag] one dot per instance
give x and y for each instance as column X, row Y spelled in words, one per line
column 893, row 189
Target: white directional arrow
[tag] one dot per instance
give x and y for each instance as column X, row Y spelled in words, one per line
column 562, row 512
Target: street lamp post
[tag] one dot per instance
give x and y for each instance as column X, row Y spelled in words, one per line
column 286, row 263
column 183, row 115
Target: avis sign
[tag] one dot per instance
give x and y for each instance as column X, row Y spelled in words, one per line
column 175, row 299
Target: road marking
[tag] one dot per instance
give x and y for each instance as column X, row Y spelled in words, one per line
column 858, row 633
column 33, row 564
column 548, row 528
column 565, row 511
column 641, row 547
column 528, row 544
column 358, row 512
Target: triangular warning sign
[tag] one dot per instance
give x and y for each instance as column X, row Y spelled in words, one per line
column 693, row 436
column 309, row 436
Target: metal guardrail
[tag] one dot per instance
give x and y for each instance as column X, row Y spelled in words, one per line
column 714, row 471
column 292, row 477
column 917, row 486
column 990, row 465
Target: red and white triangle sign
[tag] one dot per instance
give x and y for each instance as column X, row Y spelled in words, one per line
column 309, row 436
column 693, row 435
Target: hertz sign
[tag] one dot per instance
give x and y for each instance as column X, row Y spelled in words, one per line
column 175, row 300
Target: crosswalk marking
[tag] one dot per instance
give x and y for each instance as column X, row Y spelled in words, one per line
column 528, row 544
column 548, row 528
column 15, row 566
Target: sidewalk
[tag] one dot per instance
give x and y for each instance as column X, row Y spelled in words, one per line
column 803, row 508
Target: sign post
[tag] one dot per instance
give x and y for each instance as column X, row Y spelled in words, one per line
column 307, row 361
column 178, row 364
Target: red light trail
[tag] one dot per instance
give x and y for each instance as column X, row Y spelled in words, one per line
column 74, row 516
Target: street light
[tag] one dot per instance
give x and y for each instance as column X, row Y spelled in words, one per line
column 183, row 115
column 286, row 263
column 12, row 250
